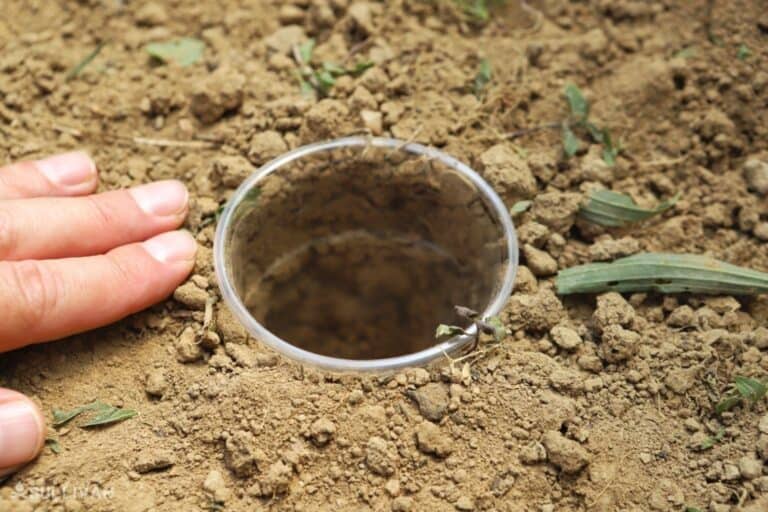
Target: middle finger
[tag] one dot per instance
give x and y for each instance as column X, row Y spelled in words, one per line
column 60, row 227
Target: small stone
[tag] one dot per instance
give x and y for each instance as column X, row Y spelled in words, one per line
column 680, row 380
column 153, row 460
column 392, row 487
column 761, row 231
column 290, row 14
column 156, row 384
column 151, row 14
column 355, row 397
column 537, row 312
column 229, row 328
column 430, row 439
column 618, row 344
column 590, row 363
column 750, row 468
column 465, row 503
column 564, row 453
column 276, row 481
column 265, row 146
column 379, row 456
column 210, row 340
column 191, row 296
column 219, row 94
column 610, row 249
column 243, row 355
column 540, row 262
column 402, row 504
column 565, row 337
column 230, row 170
column 534, row 453
column 361, row 14
column 730, row 473
column 756, row 174
column 556, row 210
column 372, row 120
column 217, row 487
column 763, row 425
column 285, row 38
column 187, row 348
column 508, row 172
column 681, row 316
column 322, row 431
column 241, row 454
column 432, row 400
column 612, row 309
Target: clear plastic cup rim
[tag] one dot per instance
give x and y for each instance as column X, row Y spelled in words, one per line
column 416, row 359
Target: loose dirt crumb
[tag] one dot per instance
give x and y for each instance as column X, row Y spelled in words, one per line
column 567, row 455
column 432, row 400
column 431, row 439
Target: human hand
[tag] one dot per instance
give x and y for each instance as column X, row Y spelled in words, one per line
column 71, row 261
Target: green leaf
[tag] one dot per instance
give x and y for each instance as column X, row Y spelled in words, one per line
column 109, row 415
column 727, row 403
column 744, row 52
column 305, row 50
column 62, row 417
column 519, row 207
column 692, row 509
column 749, row 389
column 499, row 330
column 571, row 143
column 184, row 51
column 712, row 440
column 104, row 414
column 686, row 53
column 325, row 80
column 75, row 71
column 613, row 209
column 664, row 273
column 483, row 77
column 334, row 69
column 360, row 67
column 306, row 88
column 53, row 444
column 577, row 103
column 448, row 330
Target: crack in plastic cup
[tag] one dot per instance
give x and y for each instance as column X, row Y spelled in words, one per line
column 274, row 238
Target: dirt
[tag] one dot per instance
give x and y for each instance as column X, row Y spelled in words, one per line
column 590, row 404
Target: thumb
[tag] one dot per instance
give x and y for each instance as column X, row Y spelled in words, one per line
column 22, row 431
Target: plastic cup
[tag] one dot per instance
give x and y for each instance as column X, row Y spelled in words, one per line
column 347, row 254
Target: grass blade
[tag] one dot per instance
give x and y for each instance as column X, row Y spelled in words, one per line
column 75, row 71
column 109, row 416
column 577, row 103
column 571, row 143
column 749, row 389
column 483, row 77
column 662, row 272
column 613, row 209
column 184, row 51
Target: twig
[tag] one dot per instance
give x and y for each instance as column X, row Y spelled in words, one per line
column 196, row 144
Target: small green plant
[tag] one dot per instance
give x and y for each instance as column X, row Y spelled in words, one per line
column 692, row 509
column 53, row 444
column 711, row 441
column 490, row 325
column 664, row 273
column 743, row 52
column 320, row 80
column 478, row 11
column 520, row 207
column 743, row 389
column 183, row 51
column 578, row 122
column 101, row 414
column 483, row 77
column 613, row 209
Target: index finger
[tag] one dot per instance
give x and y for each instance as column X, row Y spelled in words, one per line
column 67, row 174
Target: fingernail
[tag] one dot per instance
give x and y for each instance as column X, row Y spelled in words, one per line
column 20, row 433
column 172, row 247
column 68, row 169
column 162, row 198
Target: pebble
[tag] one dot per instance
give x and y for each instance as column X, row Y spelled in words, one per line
column 191, row 296
column 564, row 453
column 322, row 431
column 215, row 485
column 153, row 460
column 730, row 473
column 378, row 456
column 156, row 384
column 763, row 425
column 432, row 400
column 431, row 440
column 534, row 453
column 187, row 348
column 565, row 337
column 465, row 503
column 750, row 468
column 540, row 262
column 756, row 174
column 402, row 504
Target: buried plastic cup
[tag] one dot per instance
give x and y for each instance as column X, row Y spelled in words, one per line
column 347, row 254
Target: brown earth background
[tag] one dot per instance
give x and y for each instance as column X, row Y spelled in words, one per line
column 590, row 404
